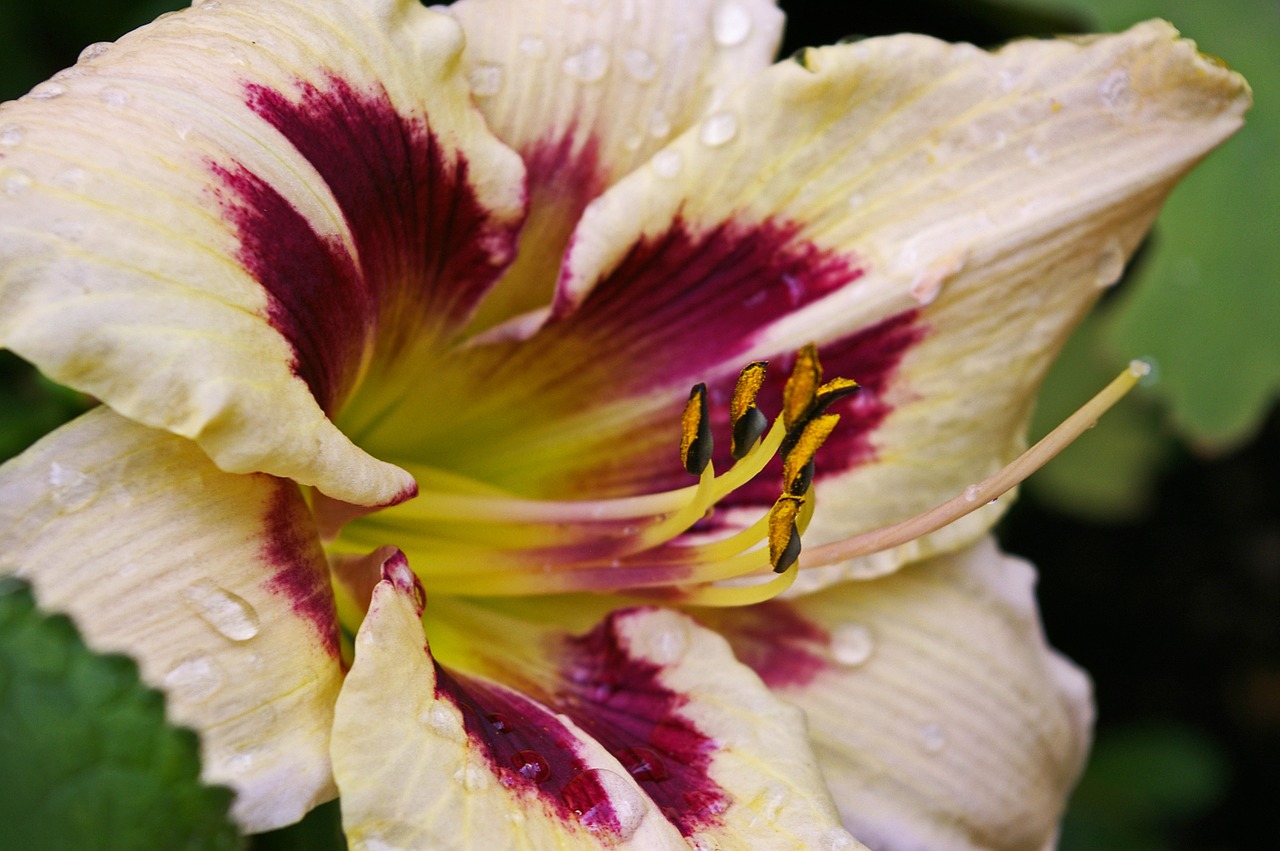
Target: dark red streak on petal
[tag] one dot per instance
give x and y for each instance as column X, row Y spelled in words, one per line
column 316, row 298
column 424, row 246
column 682, row 303
column 773, row 640
column 301, row 576
column 621, row 703
column 530, row 750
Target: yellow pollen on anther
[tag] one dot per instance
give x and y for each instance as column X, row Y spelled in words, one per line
column 746, row 422
column 784, row 537
column 802, row 387
column 695, row 432
column 801, row 450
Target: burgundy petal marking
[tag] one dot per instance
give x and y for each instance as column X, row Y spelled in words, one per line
column 425, row 247
column 293, row 550
column 621, row 703
column 776, row 642
column 531, row 750
column 682, row 303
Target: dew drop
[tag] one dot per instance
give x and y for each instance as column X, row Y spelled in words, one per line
column 927, row 285
column 93, row 51
column 1116, row 92
column 210, row 6
column 971, row 493
column 659, row 124
column 644, row 764
column 665, row 645
column 48, row 91
column 775, row 798
column 933, row 738
column 633, row 142
column 228, row 613
column 588, row 65
column 242, row 761
column 1110, row 263
column 856, row 200
column 438, row 719
column 10, row 135
column 16, row 182
column 195, row 679
column 639, row 64
column 486, row 80
column 114, row 96
column 533, row 47
column 531, row 766
column 703, row 842
column 852, row 644
column 718, row 129
column 668, row 163
column 605, row 802
column 730, row 23
column 1034, row 155
column 72, row 489
column 472, row 777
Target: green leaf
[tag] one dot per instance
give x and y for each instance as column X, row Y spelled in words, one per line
column 87, row 758
column 1205, row 306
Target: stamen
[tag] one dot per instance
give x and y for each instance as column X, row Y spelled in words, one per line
column 801, row 389
column 784, row 537
column 695, row 432
column 989, row 489
column 797, row 469
column 747, row 422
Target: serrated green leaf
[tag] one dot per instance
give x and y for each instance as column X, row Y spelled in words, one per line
column 88, row 759
column 1205, row 306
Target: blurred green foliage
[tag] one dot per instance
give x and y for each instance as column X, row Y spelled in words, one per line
column 88, row 760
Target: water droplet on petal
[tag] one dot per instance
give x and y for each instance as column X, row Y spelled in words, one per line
column 659, row 124
column 927, row 285
column 210, row 5
column 730, row 23
column 531, row 766
column 194, row 679
column 72, row 489
column 533, row 47
column 605, row 802
column 703, row 842
column 775, row 798
column 228, row 613
column 114, row 96
column 668, row 163
column 15, row 182
column 1034, row 155
column 10, row 135
column 588, row 65
column 852, row 644
column 1110, row 263
column 644, row 764
column 442, row 722
column 486, row 80
column 48, row 91
column 933, row 738
column 1116, row 91
column 473, row 777
column 856, row 200
column 640, row 65
column 971, row 493
column 665, row 646
column 718, row 129
column 93, row 51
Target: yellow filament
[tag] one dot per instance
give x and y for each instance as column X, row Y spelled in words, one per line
column 988, row 489
column 739, row 595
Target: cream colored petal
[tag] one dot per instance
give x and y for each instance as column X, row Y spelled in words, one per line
column 413, row 775
column 726, row 761
column 214, row 223
column 214, row 583
column 980, row 203
column 939, row 716
column 586, row 91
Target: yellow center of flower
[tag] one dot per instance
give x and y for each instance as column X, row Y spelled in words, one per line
column 468, row 537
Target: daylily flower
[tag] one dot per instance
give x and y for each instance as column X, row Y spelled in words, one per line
column 394, row 316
